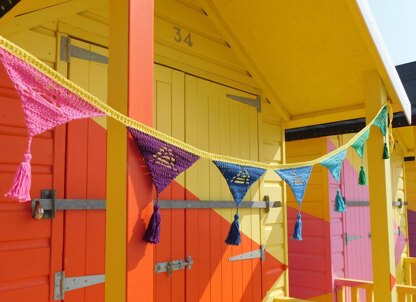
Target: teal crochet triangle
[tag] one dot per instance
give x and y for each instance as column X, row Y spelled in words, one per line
column 239, row 178
column 334, row 164
column 359, row 144
column 381, row 121
column 297, row 179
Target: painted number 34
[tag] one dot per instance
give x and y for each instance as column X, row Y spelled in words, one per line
column 181, row 36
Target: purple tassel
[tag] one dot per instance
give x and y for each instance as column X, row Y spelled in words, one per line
column 20, row 189
column 153, row 229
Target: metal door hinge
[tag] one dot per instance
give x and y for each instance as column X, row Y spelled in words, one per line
column 256, row 103
column 63, row 284
column 349, row 238
column 260, row 253
column 68, row 50
column 174, row 265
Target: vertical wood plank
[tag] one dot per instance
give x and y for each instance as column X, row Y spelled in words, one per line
column 380, row 190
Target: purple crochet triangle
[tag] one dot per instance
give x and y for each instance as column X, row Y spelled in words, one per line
column 165, row 161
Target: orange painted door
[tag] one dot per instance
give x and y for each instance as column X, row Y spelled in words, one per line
column 30, row 250
column 199, row 111
column 84, row 230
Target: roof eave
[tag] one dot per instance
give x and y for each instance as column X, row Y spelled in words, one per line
column 374, row 41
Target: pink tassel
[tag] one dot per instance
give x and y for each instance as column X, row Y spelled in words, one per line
column 20, row 190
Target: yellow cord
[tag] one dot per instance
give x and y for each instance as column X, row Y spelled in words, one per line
column 127, row 121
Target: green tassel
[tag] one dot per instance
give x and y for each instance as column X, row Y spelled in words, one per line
column 362, row 179
column 386, row 152
column 339, row 202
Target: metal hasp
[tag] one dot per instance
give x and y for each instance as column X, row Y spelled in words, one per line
column 400, row 203
column 50, row 205
column 349, row 238
column 260, row 253
column 63, row 284
column 174, row 265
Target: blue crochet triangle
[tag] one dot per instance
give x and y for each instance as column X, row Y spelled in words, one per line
column 239, row 178
column 297, row 179
column 334, row 164
column 359, row 144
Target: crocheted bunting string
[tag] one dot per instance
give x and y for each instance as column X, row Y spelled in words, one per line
column 46, row 104
column 381, row 121
column 297, row 179
column 334, row 164
column 359, row 144
column 165, row 161
column 239, row 178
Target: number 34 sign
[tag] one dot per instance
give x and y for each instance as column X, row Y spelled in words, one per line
column 181, row 36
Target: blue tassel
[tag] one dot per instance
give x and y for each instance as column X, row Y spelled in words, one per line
column 152, row 234
column 233, row 237
column 339, row 202
column 297, row 232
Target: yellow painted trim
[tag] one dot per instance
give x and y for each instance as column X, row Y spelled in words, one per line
column 9, row 24
column 374, row 41
column 245, row 58
column 381, row 212
column 328, row 116
column 116, row 225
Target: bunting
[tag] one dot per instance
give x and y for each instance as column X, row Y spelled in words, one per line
column 239, row 180
column 297, row 179
column 358, row 146
column 334, row 164
column 46, row 104
column 49, row 99
column 165, row 162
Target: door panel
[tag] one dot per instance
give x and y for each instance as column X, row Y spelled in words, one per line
column 26, row 245
column 220, row 125
column 198, row 109
column 169, row 118
column 84, row 245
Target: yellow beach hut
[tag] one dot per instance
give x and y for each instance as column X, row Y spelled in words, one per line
column 227, row 77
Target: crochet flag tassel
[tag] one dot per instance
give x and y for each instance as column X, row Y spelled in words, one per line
column 339, row 202
column 20, row 189
column 152, row 234
column 386, row 152
column 362, row 179
column 233, row 237
column 297, row 232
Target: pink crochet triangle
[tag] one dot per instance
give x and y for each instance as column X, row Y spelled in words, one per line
column 46, row 104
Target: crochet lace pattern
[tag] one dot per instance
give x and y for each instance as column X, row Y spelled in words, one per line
column 46, row 104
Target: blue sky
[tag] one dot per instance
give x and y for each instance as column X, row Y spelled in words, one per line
column 396, row 20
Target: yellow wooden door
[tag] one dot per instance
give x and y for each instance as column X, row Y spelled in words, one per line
column 199, row 112
column 399, row 222
column 216, row 123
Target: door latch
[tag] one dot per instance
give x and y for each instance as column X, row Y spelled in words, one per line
column 174, row 265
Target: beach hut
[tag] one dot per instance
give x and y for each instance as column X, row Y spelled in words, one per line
column 227, row 77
